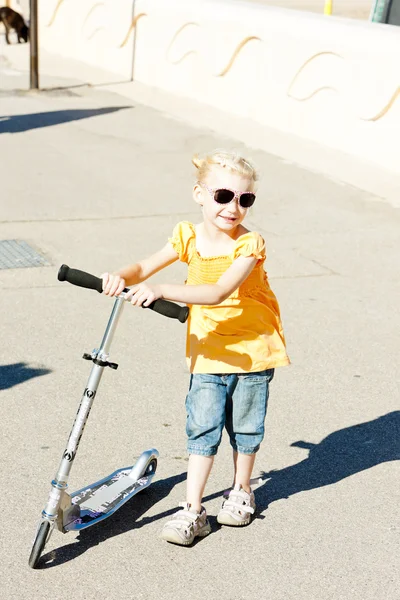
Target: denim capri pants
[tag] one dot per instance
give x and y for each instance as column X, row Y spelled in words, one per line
column 236, row 401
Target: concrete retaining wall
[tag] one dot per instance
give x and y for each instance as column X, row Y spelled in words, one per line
column 334, row 81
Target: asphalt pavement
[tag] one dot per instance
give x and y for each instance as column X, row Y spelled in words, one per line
column 94, row 180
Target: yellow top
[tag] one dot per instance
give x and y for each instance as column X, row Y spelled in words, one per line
column 244, row 333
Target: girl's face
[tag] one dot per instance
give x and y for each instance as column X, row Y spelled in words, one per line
column 224, row 216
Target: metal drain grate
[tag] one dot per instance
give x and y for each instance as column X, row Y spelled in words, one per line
column 16, row 254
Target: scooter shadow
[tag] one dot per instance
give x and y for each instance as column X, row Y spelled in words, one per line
column 128, row 517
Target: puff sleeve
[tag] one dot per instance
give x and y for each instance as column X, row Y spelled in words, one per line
column 251, row 244
column 182, row 239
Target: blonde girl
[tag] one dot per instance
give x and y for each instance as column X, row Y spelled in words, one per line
column 234, row 335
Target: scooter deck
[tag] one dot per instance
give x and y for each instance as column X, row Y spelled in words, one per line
column 101, row 499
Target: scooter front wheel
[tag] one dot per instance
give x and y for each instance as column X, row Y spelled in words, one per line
column 151, row 467
column 39, row 543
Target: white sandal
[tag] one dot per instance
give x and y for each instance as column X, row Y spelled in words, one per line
column 237, row 508
column 186, row 525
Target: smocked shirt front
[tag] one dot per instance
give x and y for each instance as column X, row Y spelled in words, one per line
column 244, row 333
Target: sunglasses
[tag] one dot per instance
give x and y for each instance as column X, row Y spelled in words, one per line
column 225, row 196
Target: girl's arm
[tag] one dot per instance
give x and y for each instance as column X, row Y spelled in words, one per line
column 207, row 294
column 113, row 284
column 144, row 269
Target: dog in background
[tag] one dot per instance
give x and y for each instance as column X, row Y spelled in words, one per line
column 13, row 20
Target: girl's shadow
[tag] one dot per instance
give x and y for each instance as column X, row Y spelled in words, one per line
column 341, row 454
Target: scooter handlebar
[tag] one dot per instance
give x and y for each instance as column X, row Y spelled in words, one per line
column 170, row 309
column 86, row 280
column 80, row 278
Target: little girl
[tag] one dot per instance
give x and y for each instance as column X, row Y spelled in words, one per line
column 234, row 335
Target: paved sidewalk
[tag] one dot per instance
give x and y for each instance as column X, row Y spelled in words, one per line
column 91, row 179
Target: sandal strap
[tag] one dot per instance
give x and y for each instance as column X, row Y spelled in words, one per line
column 239, row 500
column 238, row 506
column 183, row 518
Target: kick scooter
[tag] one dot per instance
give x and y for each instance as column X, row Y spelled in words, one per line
column 97, row 501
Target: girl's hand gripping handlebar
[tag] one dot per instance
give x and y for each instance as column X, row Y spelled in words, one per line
column 86, row 280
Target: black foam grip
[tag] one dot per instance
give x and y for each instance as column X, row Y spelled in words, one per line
column 170, row 309
column 80, row 278
column 86, row 280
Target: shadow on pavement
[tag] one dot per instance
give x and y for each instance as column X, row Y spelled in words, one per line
column 122, row 521
column 66, row 87
column 20, row 123
column 17, row 373
column 340, row 455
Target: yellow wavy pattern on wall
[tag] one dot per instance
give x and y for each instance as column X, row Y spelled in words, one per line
column 295, row 78
column 315, row 92
column 381, row 113
column 182, row 58
column 91, row 11
column 53, row 16
column 86, row 19
column 234, row 56
column 386, row 108
column 131, row 28
column 231, row 61
column 94, row 33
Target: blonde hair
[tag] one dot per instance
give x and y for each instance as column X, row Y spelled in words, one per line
column 225, row 159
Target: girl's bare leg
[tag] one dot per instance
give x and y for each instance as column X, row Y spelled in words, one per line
column 243, row 467
column 198, row 471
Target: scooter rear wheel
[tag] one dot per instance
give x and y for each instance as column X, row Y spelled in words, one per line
column 39, row 544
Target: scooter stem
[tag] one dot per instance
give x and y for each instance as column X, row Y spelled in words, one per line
column 112, row 325
column 59, row 483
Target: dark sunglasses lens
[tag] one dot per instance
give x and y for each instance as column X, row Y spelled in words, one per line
column 247, row 200
column 223, row 196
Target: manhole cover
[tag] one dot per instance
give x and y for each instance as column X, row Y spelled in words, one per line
column 15, row 254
